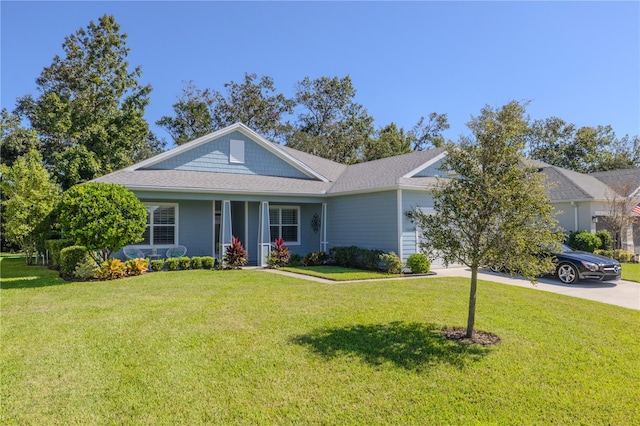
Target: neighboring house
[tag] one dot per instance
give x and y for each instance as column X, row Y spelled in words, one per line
column 627, row 185
column 233, row 182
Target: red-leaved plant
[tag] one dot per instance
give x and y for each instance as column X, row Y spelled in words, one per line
column 279, row 256
column 235, row 255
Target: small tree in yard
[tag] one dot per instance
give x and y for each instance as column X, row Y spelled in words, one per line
column 494, row 210
column 28, row 197
column 620, row 217
column 102, row 217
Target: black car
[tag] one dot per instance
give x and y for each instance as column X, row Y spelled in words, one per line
column 573, row 265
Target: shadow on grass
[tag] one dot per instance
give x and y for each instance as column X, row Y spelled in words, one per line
column 15, row 274
column 412, row 346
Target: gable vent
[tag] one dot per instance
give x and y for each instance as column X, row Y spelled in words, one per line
column 236, row 151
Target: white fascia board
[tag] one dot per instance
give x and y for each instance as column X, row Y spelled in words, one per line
column 417, row 170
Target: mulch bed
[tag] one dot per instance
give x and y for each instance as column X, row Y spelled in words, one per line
column 480, row 337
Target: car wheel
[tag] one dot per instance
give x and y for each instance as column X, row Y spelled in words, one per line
column 567, row 273
column 497, row 269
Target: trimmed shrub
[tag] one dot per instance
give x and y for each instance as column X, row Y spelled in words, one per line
column 235, row 255
column 135, row 267
column 103, row 217
column 315, row 258
column 605, row 239
column 295, row 260
column 54, row 247
column 157, row 265
column 355, row 257
column 111, row 269
column 172, row 263
column 393, row 264
column 184, row 262
column 86, row 269
column 196, row 262
column 207, row 262
column 606, row 253
column 344, row 256
column 418, row 263
column 585, row 241
column 623, row 256
column 70, row 257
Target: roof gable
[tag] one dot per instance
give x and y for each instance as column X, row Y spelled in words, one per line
column 212, row 153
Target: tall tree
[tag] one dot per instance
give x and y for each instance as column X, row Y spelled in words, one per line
column 584, row 149
column 254, row 102
column 28, row 197
column 15, row 140
column 390, row 140
column 90, row 98
column 193, row 115
column 495, row 209
column 331, row 124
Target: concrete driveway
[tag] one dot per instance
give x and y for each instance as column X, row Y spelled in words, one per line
column 620, row 293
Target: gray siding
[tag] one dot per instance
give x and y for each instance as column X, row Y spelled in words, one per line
column 411, row 200
column 214, row 157
column 364, row 220
column 432, row 170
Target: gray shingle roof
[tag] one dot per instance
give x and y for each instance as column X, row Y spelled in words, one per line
column 383, row 173
column 626, row 180
column 190, row 181
column 386, row 173
column 573, row 186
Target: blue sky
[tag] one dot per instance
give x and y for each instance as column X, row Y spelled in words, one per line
column 579, row 61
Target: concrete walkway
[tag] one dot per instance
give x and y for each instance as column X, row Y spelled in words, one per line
column 620, row 293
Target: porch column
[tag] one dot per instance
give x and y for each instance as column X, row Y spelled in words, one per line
column 264, row 234
column 225, row 227
column 323, row 227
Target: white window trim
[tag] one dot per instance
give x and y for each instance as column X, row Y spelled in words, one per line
column 280, row 208
column 236, row 151
column 176, row 234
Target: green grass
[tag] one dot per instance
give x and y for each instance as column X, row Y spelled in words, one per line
column 631, row 271
column 337, row 273
column 249, row 347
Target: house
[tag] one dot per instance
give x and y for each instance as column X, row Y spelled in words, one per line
column 233, row 182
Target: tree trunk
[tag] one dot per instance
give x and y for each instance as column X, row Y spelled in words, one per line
column 471, row 319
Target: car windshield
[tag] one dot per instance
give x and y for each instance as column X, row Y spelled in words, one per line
column 566, row 248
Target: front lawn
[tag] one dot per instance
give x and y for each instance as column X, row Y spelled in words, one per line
column 337, row 273
column 250, row 347
column 631, row 271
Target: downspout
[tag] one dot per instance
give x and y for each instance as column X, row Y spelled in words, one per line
column 399, row 228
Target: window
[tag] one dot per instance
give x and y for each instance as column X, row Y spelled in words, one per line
column 284, row 223
column 162, row 228
column 236, row 151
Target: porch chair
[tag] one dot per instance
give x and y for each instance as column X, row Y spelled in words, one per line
column 177, row 251
column 133, row 253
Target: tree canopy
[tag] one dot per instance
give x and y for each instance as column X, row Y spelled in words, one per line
column 90, row 106
column 28, row 197
column 584, row 149
column 494, row 210
column 253, row 102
